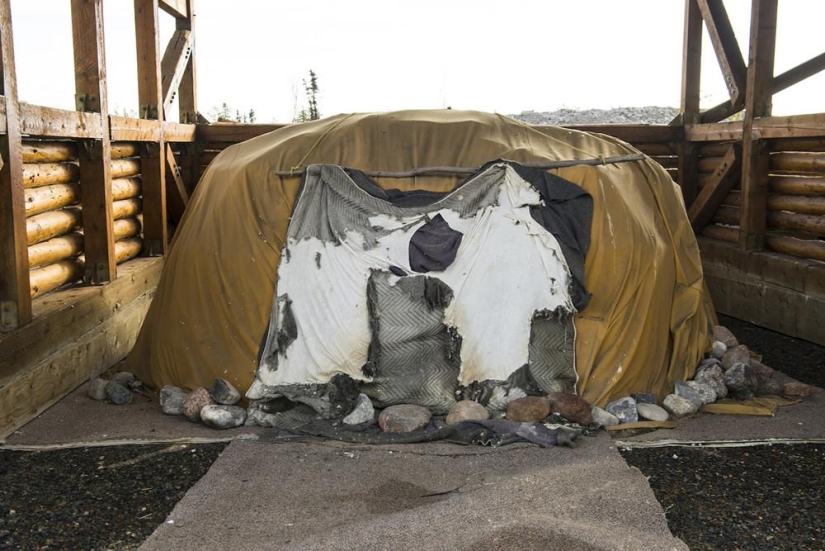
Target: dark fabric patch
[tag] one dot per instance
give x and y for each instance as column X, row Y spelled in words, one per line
column 434, row 245
column 495, row 395
column 301, row 403
column 288, row 331
column 413, row 357
column 552, row 352
column 397, row 271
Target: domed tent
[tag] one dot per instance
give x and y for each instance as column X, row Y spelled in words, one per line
column 216, row 314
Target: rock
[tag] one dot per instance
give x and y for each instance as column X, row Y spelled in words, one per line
column 704, row 390
column 118, row 394
column 362, row 413
column 123, row 377
column 735, row 355
column 603, row 418
column 570, row 406
column 761, row 369
column 651, row 412
column 723, row 334
column 740, row 377
column 718, row 349
column 97, row 389
column 796, row 389
column 684, row 390
column 466, row 410
column 222, row 416
column 714, row 377
column 767, row 386
column 740, row 394
column 171, row 400
column 194, row 402
column 404, row 418
column 624, row 409
column 530, row 409
column 644, row 398
column 224, row 393
column 679, row 406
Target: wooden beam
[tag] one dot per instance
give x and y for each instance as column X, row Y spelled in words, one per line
column 714, row 132
column 794, row 126
column 59, row 123
column 134, row 130
column 688, row 171
column 178, row 132
column 712, row 195
column 75, row 335
column 176, row 8
column 233, row 133
column 95, row 155
column 15, row 300
column 175, row 59
column 755, row 157
column 187, row 91
column 781, row 82
column 176, row 194
column 726, row 47
column 153, row 162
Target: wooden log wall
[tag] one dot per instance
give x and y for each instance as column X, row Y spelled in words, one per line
column 54, row 214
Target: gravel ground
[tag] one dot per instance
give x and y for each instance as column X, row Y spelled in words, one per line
column 94, row 498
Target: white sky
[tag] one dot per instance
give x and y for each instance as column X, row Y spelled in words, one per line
column 503, row 56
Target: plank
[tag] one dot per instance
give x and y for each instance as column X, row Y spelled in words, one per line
column 15, row 301
column 178, row 132
column 714, row 132
column 725, row 46
column 688, row 169
column 187, row 90
column 59, row 123
column 176, row 194
column 235, row 133
column 792, row 126
column 755, row 157
column 712, row 195
column 173, row 65
column 128, row 129
column 176, row 8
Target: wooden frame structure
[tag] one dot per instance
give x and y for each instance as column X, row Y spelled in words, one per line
column 87, row 197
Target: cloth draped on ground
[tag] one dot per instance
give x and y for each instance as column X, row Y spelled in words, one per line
column 645, row 326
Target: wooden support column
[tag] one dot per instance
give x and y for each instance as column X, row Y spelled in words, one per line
column 95, row 155
column 755, row 156
column 691, row 77
column 15, row 297
column 188, row 105
column 726, row 47
column 153, row 155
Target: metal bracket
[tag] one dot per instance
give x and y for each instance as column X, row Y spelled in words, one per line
column 149, row 112
column 89, row 103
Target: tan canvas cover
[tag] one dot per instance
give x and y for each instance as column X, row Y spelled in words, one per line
column 646, row 326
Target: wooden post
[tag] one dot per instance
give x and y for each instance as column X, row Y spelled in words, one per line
column 187, row 92
column 726, row 47
column 95, row 155
column 691, row 77
column 758, row 96
column 15, row 298
column 153, row 155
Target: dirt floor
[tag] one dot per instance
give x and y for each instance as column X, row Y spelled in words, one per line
column 119, row 478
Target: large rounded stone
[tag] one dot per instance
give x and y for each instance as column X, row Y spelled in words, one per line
column 624, row 409
column 530, row 409
column 197, row 400
column 223, row 417
column 718, row 349
column 678, row 406
column 686, row 391
column 570, row 406
column 767, row 386
column 704, row 391
column 651, row 412
column 404, row 418
column 97, row 389
column 796, row 389
column 171, row 400
column 761, row 369
column 467, row 410
column 735, row 355
column 714, row 377
column 740, row 377
column 224, row 393
column 123, row 377
column 363, row 411
column 602, row 417
column 723, row 334
column 118, row 394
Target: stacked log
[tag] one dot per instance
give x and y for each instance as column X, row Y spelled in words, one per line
column 54, row 223
column 796, row 201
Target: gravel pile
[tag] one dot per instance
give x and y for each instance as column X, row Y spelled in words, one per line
column 618, row 115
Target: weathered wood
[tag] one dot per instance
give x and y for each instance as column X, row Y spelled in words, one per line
column 178, row 132
column 77, row 334
column 723, row 233
column 714, row 132
column 49, row 152
column 813, row 249
column 15, row 304
column 711, row 196
column 124, row 168
column 127, row 227
column 121, row 150
column 714, row 149
column 42, row 199
column 793, row 126
column 53, row 250
column 709, row 164
column 48, row 278
column 59, row 123
column 788, row 203
column 127, row 208
column 688, row 169
column 792, row 221
column 797, row 144
column 726, row 47
column 51, row 224
column 235, row 133
column 755, row 158
column 688, row 174
column 187, row 90
column 657, row 149
column 124, row 188
column 128, row 248
column 63, row 317
column 798, row 162
column 670, row 161
column 45, row 174
column 176, row 193
column 797, row 185
column 173, row 65
column 176, row 8
column 134, row 130
column 726, row 215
